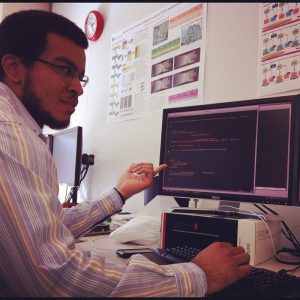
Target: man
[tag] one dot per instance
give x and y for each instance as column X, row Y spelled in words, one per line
column 42, row 76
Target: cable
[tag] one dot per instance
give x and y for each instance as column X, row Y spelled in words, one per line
column 290, row 251
column 74, row 189
column 289, row 236
column 66, row 194
column 260, row 208
column 256, row 205
column 85, row 169
column 290, row 270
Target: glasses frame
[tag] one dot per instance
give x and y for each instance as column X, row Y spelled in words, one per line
column 67, row 71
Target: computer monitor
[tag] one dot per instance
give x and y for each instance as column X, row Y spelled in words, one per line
column 244, row 151
column 66, row 148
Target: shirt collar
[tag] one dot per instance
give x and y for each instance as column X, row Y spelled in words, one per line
column 20, row 109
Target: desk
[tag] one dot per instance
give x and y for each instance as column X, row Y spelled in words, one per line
column 106, row 246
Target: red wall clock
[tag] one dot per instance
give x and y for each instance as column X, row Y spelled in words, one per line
column 94, row 24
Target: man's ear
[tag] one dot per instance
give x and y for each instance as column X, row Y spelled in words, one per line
column 13, row 68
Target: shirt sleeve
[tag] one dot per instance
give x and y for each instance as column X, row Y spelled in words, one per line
column 83, row 216
column 144, row 278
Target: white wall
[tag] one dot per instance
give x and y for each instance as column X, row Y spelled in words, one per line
column 117, row 145
column 230, row 75
column 8, row 8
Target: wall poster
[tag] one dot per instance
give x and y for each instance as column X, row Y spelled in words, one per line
column 158, row 62
column 279, row 65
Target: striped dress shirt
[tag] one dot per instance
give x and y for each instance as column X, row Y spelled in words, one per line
column 39, row 256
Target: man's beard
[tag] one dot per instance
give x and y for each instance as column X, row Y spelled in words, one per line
column 34, row 106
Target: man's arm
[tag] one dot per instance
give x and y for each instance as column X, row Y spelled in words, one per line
column 144, row 278
column 85, row 215
column 41, row 254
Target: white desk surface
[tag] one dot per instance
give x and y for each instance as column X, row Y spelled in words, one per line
column 106, row 246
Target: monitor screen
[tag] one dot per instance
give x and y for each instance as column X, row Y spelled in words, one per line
column 66, row 148
column 241, row 151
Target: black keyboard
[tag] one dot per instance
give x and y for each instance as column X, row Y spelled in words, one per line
column 264, row 283
column 259, row 283
column 178, row 254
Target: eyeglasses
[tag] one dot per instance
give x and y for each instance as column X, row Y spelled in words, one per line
column 68, row 72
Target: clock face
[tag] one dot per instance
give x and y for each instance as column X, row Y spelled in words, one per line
column 93, row 25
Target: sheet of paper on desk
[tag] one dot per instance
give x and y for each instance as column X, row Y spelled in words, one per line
column 144, row 228
column 141, row 230
column 120, row 219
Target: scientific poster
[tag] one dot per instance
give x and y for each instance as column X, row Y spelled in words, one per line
column 279, row 56
column 158, row 62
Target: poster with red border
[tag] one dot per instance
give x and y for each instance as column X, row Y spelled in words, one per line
column 158, row 62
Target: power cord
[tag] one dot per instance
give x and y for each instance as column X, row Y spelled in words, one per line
column 289, row 236
column 286, row 230
column 86, row 162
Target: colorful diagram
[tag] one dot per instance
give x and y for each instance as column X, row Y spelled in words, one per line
column 280, row 47
column 123, row 52
column 281, row 42
column 281, row 71
column 149, row 55
column 279, row 14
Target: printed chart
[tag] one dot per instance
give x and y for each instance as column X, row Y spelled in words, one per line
column 158, row 62
column 279, row 66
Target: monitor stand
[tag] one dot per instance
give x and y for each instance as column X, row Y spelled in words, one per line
column 182, row 202
column 228, row 205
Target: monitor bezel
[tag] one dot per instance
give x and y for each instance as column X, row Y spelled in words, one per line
column 293, row 184
column 78, row 155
